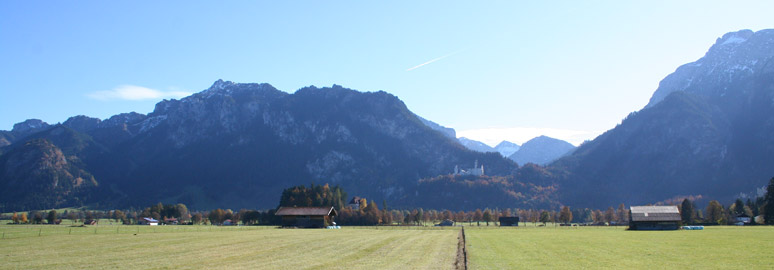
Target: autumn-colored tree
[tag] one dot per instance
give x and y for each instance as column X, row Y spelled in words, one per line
column 714, row 212
column 372, row 214
column 387, row 217
column 536, row 215
column 24, row 218
column 459, row 216
column 609, row 215
column 448, row 215
column 597, row 216
column 506, row 212
column 15, row 218
column 363, row 203
column 119, row 215
column 565, row 215
column 217, row 216
column 478, row 215
column 197, row 218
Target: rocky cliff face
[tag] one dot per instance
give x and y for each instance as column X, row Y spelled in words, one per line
column 734, row 59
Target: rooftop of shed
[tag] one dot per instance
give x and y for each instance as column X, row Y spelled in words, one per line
column 655, row 213
column 306, row 211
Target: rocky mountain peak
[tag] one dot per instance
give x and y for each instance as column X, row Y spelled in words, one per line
column 736, row 56
column 507, row 148
column 29, row 125
column 124, row 118
column 82, row 123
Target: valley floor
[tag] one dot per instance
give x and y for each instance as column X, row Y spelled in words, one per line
column 715, row 247
column 526, row 247
column 230, row 248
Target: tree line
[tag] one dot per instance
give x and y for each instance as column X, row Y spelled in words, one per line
column 369, row 213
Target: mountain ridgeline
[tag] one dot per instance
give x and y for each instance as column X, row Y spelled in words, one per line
column 708, row 130
column 239, row 145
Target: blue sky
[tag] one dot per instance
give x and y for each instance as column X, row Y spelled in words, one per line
column 493, row 70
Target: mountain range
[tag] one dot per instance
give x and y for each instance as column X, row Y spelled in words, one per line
column 708, row 130
column 237, row 145
column 540, row 150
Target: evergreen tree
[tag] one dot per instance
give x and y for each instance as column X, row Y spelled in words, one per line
column 686, row 211
column 545, row 217
column 768, row 208
column 738, row 207
column 51, row 217
column 609, row 215
column 487, row 216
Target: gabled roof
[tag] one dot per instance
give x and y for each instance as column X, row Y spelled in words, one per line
column 150, row 219
column 306, row 211
column 655, row 213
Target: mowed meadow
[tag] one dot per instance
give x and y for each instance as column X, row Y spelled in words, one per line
column 488, row 247
column 715, row 247
column 206, row 247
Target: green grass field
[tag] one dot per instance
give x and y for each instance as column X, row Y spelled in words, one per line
column 722, row 247
column 256, row 247
column 225, row 247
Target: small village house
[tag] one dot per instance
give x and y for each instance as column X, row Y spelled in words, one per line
column 148, row 221
column 307, row 217
column 742, row 219
column 654, row 218
column 171, row 221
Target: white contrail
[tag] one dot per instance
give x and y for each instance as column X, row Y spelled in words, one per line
column 428, row 62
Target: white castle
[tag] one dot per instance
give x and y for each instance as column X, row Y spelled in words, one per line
column 475, row 171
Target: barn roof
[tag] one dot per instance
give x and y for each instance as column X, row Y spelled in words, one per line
column 655, row 213
column 306, row 211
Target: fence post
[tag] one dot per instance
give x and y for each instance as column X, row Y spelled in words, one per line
column 40, row 231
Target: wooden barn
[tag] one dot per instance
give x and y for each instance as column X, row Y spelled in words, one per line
column 654, row 218
column 306, row 217
column 509, row 221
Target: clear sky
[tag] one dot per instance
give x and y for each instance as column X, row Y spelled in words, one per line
column 493, row 70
